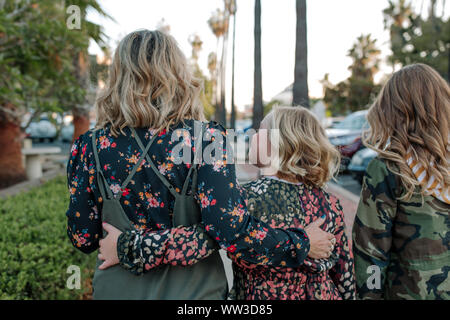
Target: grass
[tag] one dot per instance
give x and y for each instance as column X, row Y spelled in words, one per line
column 35, row 251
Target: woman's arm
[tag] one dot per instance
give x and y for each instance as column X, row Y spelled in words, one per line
column 175, row 246
column 141, row 251
column 372, row 230
column 343, row 272
column 84, row 225
column 224, row 213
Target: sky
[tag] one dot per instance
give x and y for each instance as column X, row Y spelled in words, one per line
column 333, row 27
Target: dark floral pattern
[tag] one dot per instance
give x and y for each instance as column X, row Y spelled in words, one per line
column 149, row 205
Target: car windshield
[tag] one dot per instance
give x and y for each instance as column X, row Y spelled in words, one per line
column 353, row 122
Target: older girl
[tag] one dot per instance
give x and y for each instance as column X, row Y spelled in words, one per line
column 402, row 228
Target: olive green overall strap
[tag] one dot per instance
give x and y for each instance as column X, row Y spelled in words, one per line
column 127, row 180
column 194, row 165
column 153, row 166
column 136, row 166
column 102, row 183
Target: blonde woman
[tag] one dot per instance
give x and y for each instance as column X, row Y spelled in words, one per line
column 401, row 234
column 294, row 197
column 151, row 94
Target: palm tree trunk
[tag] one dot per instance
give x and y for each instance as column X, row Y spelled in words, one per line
column 300, row 89
column 233, row 107
column 12, row 170
column 257, row 88
column 223, row 110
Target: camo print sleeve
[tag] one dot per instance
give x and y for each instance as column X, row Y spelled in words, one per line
column 372, row 230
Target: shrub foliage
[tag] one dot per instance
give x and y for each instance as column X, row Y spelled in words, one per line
column 35, row 252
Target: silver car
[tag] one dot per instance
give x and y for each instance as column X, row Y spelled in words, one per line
column 42, row 130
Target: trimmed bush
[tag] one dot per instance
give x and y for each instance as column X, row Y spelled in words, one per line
column 35, row 252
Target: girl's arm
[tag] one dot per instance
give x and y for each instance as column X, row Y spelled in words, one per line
column 372, row 230
column 343, row 272
column 226, row 219
column 84, row 225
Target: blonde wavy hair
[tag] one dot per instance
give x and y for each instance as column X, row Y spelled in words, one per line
column 305, row 152
column 412, row 111
column 150, row 85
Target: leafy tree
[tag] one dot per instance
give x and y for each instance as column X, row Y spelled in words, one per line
column 37, row 73
column 415, row 39
column 357, row 91
column 80, row 57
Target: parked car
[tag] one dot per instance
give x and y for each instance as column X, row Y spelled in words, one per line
column 42, row 130
column 360, row 161
column 68, row 130
column 67, row 133
column 346, row 135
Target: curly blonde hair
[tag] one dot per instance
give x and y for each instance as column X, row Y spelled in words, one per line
column 150, row 85
column 305, row 153
column 412, row 111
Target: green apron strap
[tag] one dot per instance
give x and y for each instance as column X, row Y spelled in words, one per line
column 102, row 183
column 194, row 165
column 153, row 166
column 137, row 165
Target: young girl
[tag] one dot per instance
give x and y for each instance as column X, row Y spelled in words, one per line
column 402, row 228
column 293, row 198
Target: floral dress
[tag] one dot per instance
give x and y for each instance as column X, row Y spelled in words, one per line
column 149, row 204
column 285, row 205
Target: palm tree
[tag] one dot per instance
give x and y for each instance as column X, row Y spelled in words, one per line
column 300, row 89
column 232, row 10
column 258, row 108
column 219, row 26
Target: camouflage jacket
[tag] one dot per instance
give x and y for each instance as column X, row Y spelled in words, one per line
column 403, row 243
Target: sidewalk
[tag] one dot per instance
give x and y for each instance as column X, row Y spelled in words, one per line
column 349, row 202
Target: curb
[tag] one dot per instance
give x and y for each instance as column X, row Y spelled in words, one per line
column 29, row 184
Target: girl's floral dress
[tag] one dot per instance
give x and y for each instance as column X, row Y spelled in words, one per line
column 149, row 204
column 285, row 205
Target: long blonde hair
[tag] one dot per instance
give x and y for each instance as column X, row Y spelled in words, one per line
column 412, row 111
column 305, row 152
column 150, row 85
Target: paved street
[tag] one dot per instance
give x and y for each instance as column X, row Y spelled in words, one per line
column 347, row 182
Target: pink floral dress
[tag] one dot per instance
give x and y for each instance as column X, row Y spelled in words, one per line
column 282, row 204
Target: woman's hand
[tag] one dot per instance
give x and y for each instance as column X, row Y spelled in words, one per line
column 321, row 243
column 108, row 247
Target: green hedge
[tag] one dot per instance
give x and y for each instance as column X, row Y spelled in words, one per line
column 34, row 249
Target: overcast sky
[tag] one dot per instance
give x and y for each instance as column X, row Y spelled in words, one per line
column 333, row 27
